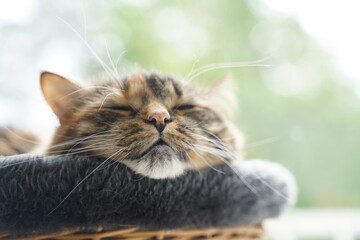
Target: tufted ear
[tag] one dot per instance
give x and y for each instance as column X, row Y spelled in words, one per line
column 62, row 95
column 223, row 97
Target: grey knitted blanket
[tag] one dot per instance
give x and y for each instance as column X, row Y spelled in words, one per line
column 50, row 194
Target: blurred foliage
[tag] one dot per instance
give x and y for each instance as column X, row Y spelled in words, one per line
column 316, row 131
column 296, row 112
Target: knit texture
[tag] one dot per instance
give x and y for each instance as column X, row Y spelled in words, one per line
column 49, row 194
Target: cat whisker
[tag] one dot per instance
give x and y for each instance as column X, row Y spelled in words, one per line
column 103, row 101
column 213, row 151
column 247, row 146
column 207, row 163
column 193, row 67
column 77, row 152
column 262, row 142
column 72, row 141
column 188, row 157
column 110, row 59
column 231, row 166
column 214, row 66
column 118, row 58
column 216, row 137
column 67, row 196
column 223, row 156
column 115, row 158
column 269, row 186
column 108, row 165
column 102, row 63
column 217, row 141
column 89, row 148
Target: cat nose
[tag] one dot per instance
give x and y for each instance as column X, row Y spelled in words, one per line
column 158, row 116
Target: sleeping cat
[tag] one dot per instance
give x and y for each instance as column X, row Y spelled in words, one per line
column 157, row 126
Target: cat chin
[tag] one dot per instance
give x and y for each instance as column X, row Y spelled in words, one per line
column 160, row 162
column 170, row 168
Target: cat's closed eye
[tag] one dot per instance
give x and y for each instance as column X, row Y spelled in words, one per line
column 184, row 107
column 122, row 108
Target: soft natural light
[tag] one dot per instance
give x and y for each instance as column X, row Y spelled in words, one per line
column 300, row 107
column 16, row 11
column 334, row 23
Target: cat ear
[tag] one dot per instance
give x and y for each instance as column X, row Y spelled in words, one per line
column 62, row 95
column 223, row 95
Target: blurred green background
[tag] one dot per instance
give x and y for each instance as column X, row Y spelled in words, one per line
column 301, row 111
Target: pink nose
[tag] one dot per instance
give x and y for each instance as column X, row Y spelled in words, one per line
column 159, row 116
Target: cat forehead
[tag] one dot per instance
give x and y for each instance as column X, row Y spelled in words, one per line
column 152, row 85
column 141, row 89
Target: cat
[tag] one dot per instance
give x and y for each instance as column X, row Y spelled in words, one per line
column 15, row 141
column 157, row 126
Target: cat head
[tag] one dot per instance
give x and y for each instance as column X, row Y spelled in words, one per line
column 157, row 126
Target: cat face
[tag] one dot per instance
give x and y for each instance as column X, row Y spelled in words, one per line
column 153, row 124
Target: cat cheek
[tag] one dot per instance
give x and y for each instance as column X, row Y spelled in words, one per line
column 84, row 127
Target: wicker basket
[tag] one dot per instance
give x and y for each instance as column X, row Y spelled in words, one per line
column 238, row 233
